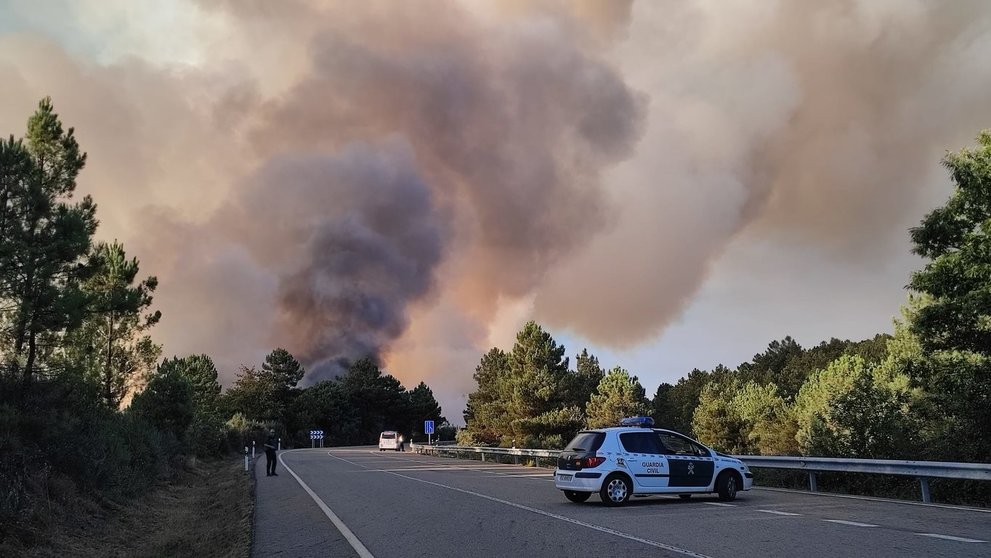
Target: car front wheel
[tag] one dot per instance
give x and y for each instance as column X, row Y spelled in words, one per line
column 576, row 497
column 726, row 486
column 616, row 490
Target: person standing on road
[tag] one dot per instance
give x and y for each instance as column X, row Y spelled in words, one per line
column 402, row 443
column 270, row 445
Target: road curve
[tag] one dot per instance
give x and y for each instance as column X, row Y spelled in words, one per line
column 362, row 502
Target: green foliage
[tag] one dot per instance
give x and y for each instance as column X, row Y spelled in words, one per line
column 167, row 403
column 485, row 413
column 201, row 374
column 951, row 322
column 266, row 394
column 43, row 238
column 587, row 377
column 852, row 409
column 956, row 238
column 618, row 395
column 111, row 345
column 744, row 419
column 423, row 406
column 661, row 408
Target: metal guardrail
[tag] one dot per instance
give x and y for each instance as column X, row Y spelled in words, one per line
column 921, row 470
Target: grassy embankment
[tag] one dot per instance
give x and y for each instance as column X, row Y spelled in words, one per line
column 205, row 511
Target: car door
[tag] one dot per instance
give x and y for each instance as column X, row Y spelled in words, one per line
column 690, row 464
column 644, row 459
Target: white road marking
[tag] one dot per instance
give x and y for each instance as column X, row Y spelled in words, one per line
column 873, row 499
column 527, row 476
column 776, row 512
column 351, row 538
column 599, row 528
column 950, row 538
column 720, row 504
column 850, row 523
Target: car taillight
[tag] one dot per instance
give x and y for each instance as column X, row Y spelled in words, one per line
column 591, row 462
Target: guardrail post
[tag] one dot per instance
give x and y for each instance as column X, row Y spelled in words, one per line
column 813, row 487
column 926, row 495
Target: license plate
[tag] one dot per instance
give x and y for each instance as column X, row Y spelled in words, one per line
column 565, row 477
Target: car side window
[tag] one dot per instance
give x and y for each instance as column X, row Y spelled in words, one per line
column 677, row 445
column 640, row 442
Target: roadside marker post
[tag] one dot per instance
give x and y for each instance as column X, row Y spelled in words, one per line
column 252, row 449
column 245, row 459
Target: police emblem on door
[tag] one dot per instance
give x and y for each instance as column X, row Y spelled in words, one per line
column 690, row 472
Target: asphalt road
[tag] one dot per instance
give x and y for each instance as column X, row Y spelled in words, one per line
column 362, row 502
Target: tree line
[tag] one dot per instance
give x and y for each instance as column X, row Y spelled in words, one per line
column 88, row 408
column 923, row 392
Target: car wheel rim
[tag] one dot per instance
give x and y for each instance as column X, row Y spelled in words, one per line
column 731, row 487
column 617, row 490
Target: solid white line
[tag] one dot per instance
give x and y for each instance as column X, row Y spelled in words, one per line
column 720, row 504
column 776, row 512
column 351, row 538
column 850, row 523
column 950, row 538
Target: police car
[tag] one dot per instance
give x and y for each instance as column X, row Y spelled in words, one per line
column 636, row 459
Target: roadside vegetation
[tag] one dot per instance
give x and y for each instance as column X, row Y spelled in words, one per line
column 106, row 448
column 923, row 392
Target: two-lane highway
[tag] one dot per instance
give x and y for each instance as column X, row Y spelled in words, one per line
column 360, row 501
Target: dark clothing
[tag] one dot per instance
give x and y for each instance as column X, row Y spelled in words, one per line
column 270, row 446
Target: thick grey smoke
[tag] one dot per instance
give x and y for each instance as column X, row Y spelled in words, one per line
column 409, row 179
column 355, row 237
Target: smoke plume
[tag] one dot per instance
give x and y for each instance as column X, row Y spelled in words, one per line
column 410, row 180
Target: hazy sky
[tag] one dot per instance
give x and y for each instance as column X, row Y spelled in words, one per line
column 672, row 184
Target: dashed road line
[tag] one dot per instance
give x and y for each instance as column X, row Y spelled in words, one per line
column 566, row 519
column 950, row 538
column 850, row 523
column 720, row 504
column 776, row 512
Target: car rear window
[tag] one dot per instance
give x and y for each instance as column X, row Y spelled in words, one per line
column 586, row 441
column 388, row 435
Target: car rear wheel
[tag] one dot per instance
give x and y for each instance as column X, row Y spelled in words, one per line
column 576, row 497
column 726, row 486
column 616, row 490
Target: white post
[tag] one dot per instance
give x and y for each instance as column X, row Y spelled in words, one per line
column 252, row 449
column 245, row 458
column 280, row 444
column 428, row 438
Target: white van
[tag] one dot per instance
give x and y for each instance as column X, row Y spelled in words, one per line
column 389, row 440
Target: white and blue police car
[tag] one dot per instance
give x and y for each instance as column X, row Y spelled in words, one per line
column 635, row 459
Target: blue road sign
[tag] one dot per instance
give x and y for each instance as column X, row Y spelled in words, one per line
column 428, row 427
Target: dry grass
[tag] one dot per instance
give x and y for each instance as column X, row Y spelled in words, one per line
column 206, row 511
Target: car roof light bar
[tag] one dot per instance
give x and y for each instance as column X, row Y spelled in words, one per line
column 644, row 422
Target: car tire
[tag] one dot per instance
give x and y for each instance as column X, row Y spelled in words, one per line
column 577, row 497
column 726, row 486
column 616, row 490
column 685, row 496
